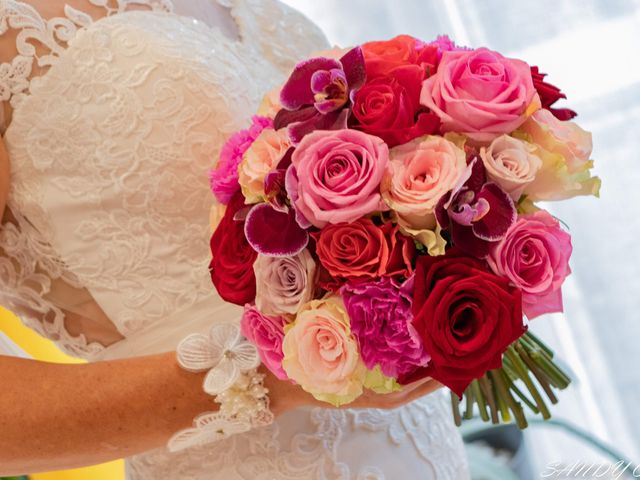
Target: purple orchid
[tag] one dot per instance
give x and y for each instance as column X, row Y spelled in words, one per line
column 317, row 93
column 476, row 213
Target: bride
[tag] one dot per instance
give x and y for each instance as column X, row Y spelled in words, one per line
column 111, row 114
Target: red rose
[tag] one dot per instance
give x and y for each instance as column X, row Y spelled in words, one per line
column 389, row 107
column 361, row 250
column 383, row 56
column 466, row 316
column 550, row 94
column 232, row 263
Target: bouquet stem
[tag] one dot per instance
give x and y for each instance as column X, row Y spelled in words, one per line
column 527, row 362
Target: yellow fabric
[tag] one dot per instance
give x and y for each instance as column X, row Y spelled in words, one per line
column 42, row 349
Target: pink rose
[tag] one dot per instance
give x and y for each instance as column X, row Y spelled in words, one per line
column 321, row 354
column 419, row 174
column 283, row 284
column 266, row 333
column 335, row 176
column 534, row 256
column 480, row 93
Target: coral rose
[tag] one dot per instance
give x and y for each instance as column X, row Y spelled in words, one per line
column 362, row 250
column 382, row 57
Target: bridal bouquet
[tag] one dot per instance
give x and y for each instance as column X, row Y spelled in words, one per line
column 378, row 223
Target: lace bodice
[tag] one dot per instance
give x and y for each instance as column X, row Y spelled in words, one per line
column 115, row 123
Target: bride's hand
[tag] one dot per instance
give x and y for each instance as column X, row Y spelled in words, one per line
column 285, row 396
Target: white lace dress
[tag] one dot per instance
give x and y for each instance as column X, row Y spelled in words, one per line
column 115, row 123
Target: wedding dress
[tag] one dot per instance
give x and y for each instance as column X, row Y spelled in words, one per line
column 115, row 123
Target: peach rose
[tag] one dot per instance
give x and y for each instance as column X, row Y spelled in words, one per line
column 419, row 174
column 321, row 354
column 262, row 157
column 564, row 149
column 511, row 163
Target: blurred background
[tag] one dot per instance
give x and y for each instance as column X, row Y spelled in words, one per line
column 591, row 50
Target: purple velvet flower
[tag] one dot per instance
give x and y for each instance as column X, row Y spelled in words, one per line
column 224, row 178
column 381, row 320
column 274, row 231
column 317, row 93
column 476, row 213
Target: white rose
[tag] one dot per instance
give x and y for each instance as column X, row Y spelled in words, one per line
column 511, row 163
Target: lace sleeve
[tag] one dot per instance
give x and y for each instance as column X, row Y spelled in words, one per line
column 30, row 276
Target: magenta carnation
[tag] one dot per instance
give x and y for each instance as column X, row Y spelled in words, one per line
column 381, row 320
column 266, row 333
column 224, row 178
column 445, row 44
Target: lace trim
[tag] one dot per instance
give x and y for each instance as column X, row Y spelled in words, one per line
column 232, row 380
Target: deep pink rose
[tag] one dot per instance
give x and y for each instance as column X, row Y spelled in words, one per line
column 480, row 93
column 534, row 256
column 336, row 176
column 266, row 333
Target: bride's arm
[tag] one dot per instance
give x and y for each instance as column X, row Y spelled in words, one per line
column 56, row 416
